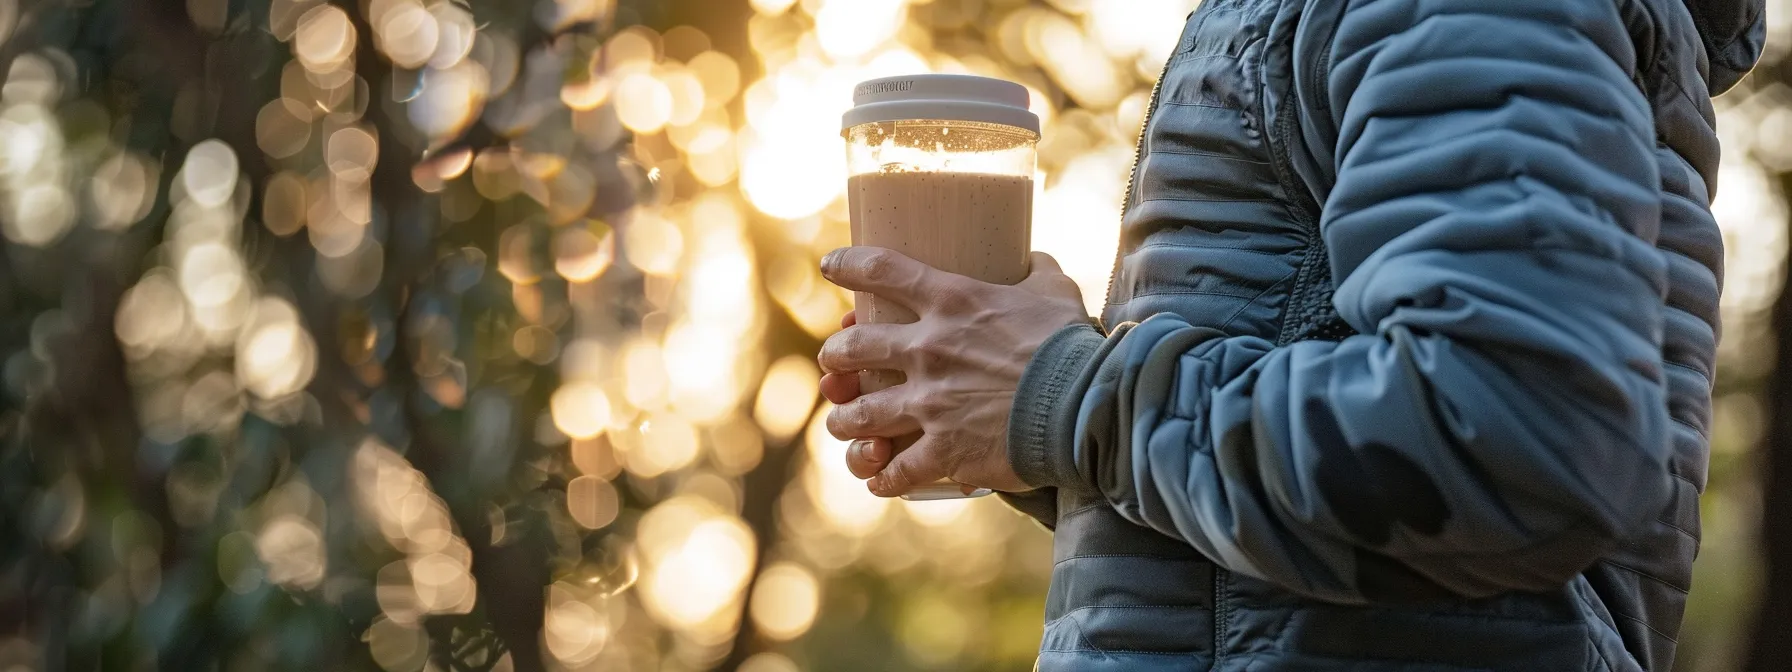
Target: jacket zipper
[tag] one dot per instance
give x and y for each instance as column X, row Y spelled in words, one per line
column 1132, row 179
column 1221, row 612
column 1220, row 603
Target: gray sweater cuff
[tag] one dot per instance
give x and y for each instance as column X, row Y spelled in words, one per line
column 1041, row 448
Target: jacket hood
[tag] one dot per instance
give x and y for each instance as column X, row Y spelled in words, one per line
column 1733, row 32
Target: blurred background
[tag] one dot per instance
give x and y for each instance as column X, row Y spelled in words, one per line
column 450, row 335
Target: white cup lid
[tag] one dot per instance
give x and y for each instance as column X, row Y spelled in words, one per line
column 949, row 97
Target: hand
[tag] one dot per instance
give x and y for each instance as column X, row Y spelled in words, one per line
column 962, row 359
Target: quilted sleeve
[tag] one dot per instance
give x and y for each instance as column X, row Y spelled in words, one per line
column 1501, row 420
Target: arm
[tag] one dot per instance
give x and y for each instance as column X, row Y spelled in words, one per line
column 1500, row 422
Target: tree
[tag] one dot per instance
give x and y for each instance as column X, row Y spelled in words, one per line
column 247, row 305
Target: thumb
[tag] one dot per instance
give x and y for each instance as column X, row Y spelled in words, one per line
column 919, row 465
column 1046, row 278
column 1043, row 263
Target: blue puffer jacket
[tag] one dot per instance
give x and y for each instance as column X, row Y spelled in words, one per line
column 1409, row 345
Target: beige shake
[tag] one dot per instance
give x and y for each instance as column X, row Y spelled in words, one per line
column 965, row 223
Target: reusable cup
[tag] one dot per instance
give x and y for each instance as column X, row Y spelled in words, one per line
column 940, row 169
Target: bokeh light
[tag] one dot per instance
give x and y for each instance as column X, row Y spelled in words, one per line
column 275, row 356
column 364, row 327
column 292, row 550
column 581, row 410
column 786, row 396
column 785, row 601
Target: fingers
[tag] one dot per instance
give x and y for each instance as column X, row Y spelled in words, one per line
column 840, row 388
column 865, row 347
column 865, row 457
column 889, row 275
column 919, row 465
column 881, row 413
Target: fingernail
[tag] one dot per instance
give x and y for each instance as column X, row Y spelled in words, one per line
column 861, row 448
column 829, row 260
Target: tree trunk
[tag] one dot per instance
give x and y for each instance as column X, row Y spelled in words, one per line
column 1771, row 645
column 726, row 25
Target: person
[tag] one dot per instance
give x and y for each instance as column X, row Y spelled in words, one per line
column 1406, row 361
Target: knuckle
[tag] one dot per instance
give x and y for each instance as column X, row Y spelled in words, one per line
column 863, row 417
column 878, row 266
column 915, row 405
column 857, row 414
column 845, row 351
column 847, row 344
column 843, row 420
column 900, row 474
column 887, row 349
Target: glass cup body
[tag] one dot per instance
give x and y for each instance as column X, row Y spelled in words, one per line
column 956, row 195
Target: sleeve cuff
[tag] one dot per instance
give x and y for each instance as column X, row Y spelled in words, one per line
column 1041, row 505
column 1040, row 445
